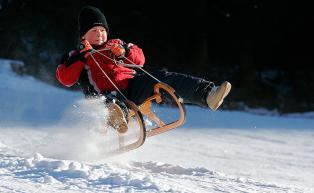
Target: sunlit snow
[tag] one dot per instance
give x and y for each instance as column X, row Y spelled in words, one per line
column 51, row 141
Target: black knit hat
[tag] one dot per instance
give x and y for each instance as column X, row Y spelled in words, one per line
column 90, row 17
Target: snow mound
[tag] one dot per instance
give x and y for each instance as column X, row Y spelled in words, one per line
column 26, row 101
column 120, row 177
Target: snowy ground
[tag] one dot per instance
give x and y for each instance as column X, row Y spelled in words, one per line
column 48, row 145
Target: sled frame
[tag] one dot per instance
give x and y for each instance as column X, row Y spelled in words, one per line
column 145, row 109
column 137, row 112
column 142, row 131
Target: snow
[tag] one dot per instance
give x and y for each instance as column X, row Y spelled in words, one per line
column 51, row 141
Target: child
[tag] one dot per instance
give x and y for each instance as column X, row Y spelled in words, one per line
column 79, row 66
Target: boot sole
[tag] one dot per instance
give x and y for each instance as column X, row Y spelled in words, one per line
column 116, row 118
column 223, row 94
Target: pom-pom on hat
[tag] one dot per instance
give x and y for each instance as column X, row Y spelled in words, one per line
column 89, row 17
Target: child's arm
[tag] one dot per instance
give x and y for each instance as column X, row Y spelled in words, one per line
column 70, row 68
column 135, row 54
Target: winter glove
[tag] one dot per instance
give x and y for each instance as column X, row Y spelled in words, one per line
column 117, row 49
column 71, row 57
column 85, row 48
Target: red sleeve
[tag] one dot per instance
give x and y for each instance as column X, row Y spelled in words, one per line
column 68, row 76
column 136, row 54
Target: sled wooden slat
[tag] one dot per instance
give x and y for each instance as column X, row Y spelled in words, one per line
column 142, row 134
column 145, row 109
column 157, row 96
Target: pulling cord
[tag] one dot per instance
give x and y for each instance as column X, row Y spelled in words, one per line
column 131, row 65
column 113, row 84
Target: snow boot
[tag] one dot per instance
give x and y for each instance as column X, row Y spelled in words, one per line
column 117, row 118
column 217, row 94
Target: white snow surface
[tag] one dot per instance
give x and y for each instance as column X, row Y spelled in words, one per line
column 50, row 141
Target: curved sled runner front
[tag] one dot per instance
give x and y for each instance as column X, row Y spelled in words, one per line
column 137, row 113
column 146, row 110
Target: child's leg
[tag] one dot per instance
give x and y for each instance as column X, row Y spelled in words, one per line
column 118, row 113
column 195, row 90
column 140, row 88
column 115, row 99
column 192, row 89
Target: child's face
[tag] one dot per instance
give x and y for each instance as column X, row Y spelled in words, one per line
column 96, row 36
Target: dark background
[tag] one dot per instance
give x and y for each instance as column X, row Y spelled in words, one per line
column 265, row 49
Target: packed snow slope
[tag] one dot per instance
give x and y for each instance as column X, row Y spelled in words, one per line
column 50, row 142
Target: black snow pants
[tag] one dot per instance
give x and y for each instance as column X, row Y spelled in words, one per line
column 192, row 89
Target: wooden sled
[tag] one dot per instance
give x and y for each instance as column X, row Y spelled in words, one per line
column 137, row 112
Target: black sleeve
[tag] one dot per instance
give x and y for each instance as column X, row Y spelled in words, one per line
column 126, row 48
column 64, row 58
column 68, row 60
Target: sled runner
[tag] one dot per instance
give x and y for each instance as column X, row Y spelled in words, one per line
column 136, row 124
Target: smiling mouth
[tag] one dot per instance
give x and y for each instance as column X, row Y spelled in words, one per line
column 99, row 41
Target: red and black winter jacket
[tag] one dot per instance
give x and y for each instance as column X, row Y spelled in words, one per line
column 74, row 67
